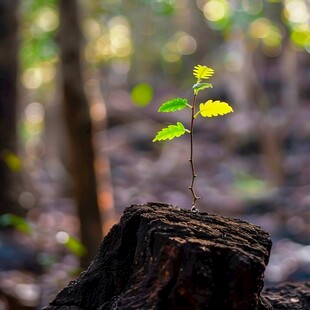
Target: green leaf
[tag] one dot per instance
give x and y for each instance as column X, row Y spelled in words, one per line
column 200, row 86
column 173, row 105
column 202, row 72
column 75, row 246
column 171, row 132
column 214, row 108
column 71, row 243
column 15, row 221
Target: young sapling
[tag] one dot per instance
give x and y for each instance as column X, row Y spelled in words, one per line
column 209, row 108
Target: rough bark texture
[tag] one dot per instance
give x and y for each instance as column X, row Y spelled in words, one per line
column 163, row 257
column 79, row 126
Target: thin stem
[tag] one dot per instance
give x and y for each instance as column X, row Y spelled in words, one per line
column 191, row 159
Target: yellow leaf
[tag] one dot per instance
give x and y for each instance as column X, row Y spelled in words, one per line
column 214, row 108
column 202, row 72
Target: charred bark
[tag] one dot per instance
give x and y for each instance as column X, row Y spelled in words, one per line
column 163, row 257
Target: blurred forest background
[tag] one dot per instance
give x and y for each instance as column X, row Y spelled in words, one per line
column 80, row 85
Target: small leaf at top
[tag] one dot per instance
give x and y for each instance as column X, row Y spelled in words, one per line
column 202, row 72
column 173, row 105
column 214, row 108
column 200, row 86
column 171, row 132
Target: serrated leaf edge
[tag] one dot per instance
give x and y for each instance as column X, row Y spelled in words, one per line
column 170, row 103
column 215, row 113
column 200, row 76
column 178, row 125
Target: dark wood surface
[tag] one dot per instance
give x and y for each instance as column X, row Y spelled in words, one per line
column 163, row 257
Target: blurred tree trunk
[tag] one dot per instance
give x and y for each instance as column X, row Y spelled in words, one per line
column 79, row 127
column 8, row 99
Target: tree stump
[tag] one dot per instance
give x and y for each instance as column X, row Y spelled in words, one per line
column 162, row 257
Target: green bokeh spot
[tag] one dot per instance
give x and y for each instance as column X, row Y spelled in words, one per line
column 300, row 37
column 142, row 94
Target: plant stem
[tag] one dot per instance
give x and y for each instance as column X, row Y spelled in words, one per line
column 191, row 159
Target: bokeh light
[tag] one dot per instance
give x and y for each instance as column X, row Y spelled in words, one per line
column 110, row 41
column 120, row 36
column 46, row 19
column 296, row 11
column 98, row 112
column 215, row 10
column 268, row 33
column 252, row 7
column 186, row 44
column 217, row 13
column 170, row 52
column 300, row 36
column 33, row 122
column 62, row 237
column 234, row 61
column 297, row 14
column 260, row 28
column 142, row 94
column 27, row 200
column 34, row 113
column 92, row 28
column 32, row 78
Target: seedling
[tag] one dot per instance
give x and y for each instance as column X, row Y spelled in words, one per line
column 209, row 108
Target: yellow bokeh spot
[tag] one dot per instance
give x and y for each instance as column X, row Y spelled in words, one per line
column 92, row 28
column 120, row 37
column 113, row 41
column 48, row 71
column 301, row 36
column 186, row 44
column 33, row 122
column 99, row 49
column 170, row 52
column 47, row 19
column 32, row 78
column 296, row 11
column 273, row 38
column 215, row 10
column 120, row 46
column 142, row 94
column 259, row 28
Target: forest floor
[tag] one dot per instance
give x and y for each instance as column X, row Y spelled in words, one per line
column 232, row 179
